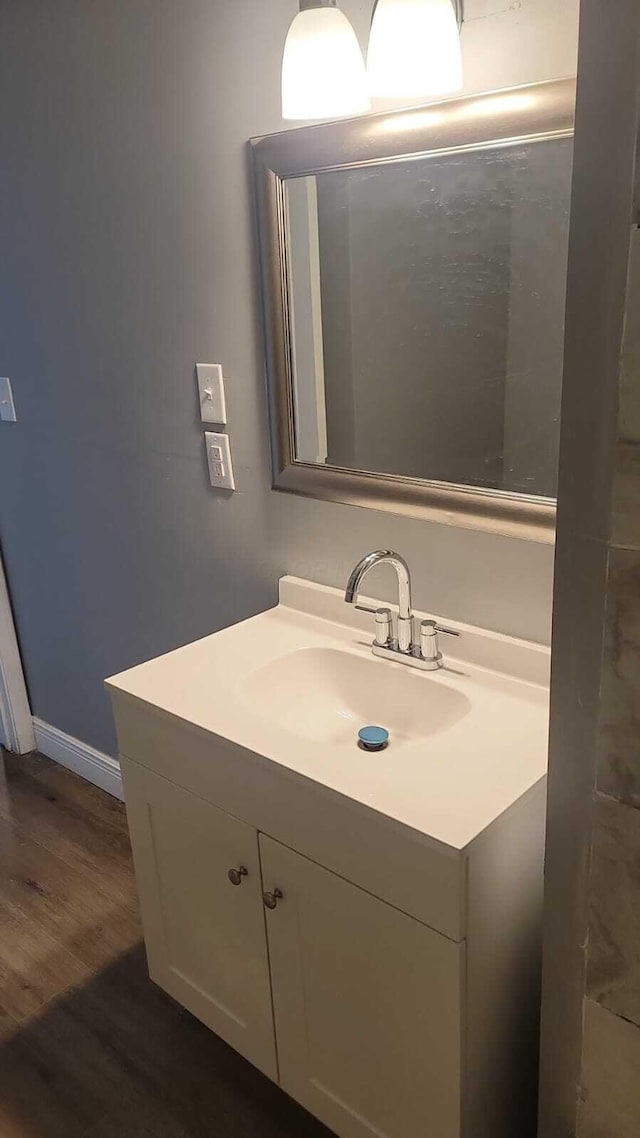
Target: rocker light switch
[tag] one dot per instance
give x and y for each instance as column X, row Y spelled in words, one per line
column 7, row 407
column 219, row 459
column 211, row 390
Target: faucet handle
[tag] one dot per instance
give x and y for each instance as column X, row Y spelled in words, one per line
column 384, row 627
column 429, row 640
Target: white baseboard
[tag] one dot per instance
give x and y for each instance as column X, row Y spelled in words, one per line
column 96, row 767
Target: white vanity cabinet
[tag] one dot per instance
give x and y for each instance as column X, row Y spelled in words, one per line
column 364, row 999
column 377, row 1023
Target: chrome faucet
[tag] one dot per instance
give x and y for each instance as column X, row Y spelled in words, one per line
column 405, row 615
column 403, row 648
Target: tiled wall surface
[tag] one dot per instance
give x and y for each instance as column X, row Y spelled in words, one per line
column 610, row 1085
column 590, row 1050
column 611, row 1061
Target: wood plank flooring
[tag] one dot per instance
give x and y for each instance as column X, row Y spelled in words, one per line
column 89, row 1047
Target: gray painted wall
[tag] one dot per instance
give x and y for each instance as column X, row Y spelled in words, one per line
column 126, row 254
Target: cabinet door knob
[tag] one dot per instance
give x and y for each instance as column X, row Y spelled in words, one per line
column 271, row 899
column 235, row 875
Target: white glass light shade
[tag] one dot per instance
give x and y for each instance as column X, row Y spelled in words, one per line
column 414, row 49
column 323, row 72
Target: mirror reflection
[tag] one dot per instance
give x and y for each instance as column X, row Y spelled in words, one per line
column 426, row 315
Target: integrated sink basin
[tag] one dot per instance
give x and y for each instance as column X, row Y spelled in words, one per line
column 295, row 684
column 327, row 695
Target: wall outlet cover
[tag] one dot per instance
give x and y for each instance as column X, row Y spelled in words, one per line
column 219, row 459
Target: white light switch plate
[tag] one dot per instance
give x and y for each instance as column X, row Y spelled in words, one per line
column 219, row 459
column 213, row 408
column 7, row 406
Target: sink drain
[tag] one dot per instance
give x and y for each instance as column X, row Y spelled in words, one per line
column 373, row 738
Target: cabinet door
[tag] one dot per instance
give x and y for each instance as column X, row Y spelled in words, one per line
column 205, row 937
column 367, row 1006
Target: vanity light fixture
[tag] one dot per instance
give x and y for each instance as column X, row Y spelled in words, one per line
column 414, row 48
column 323, row 71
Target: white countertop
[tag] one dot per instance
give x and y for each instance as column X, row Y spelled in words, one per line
column 449, row 783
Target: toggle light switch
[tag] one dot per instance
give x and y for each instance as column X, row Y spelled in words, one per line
column 219, row 459
column 213, row 408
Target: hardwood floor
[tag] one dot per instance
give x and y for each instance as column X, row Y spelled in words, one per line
column 89, row 1047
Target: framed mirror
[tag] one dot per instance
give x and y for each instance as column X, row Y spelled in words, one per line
column 413, row 278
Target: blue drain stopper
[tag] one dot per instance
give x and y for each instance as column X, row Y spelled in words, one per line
column 373, row 738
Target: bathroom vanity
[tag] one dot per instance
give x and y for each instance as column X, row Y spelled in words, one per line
column 363, row 927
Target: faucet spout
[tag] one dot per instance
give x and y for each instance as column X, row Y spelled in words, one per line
column 402, row 649
column 405, row 615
